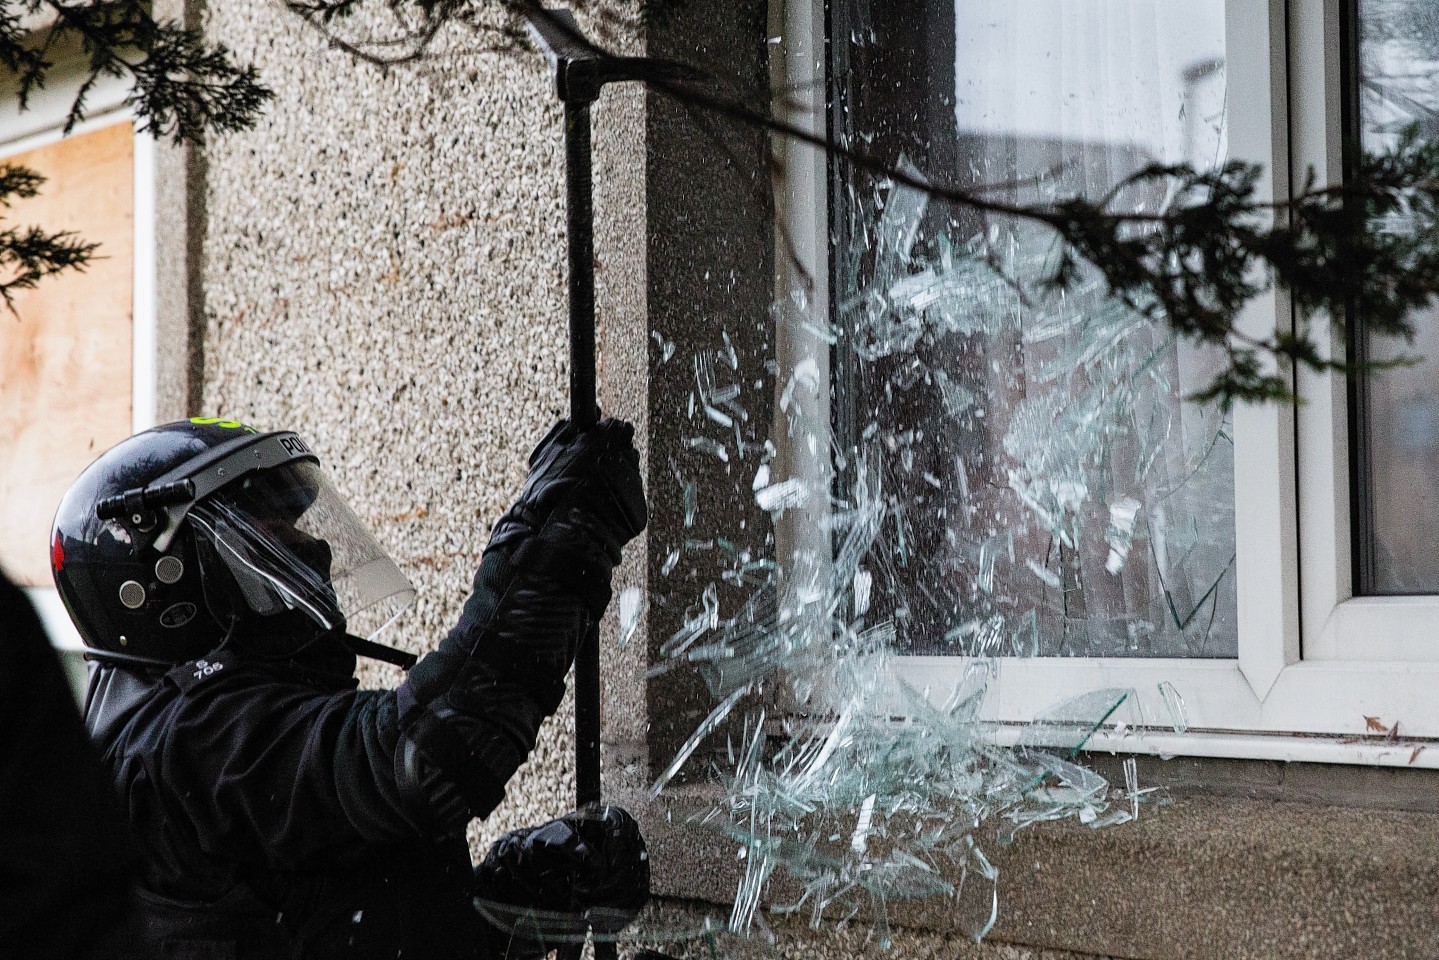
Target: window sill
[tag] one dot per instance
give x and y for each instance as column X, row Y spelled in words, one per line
column 1189, row 872
column 1343, row 703
column 1373, row 751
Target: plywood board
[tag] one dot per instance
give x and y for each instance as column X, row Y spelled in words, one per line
column 65, row 351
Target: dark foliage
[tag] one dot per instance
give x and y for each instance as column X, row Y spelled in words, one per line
column 29, row 254
column 181, row 88
column 416, row 23
column 1369, row 246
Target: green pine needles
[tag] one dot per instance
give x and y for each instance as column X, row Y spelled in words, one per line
column 29, row 254
column 1367, row 249
column 180, row 88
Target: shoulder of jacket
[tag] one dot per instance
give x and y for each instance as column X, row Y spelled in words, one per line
column 191, row 674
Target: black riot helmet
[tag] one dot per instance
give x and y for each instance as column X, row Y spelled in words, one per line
column 176, row 537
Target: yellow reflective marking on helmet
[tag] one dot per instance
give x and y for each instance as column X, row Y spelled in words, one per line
column 222, row 423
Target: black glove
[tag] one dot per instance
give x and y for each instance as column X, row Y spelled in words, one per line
column 597, row 468
column 549, row 883
column 474, row 706
column 583, row 501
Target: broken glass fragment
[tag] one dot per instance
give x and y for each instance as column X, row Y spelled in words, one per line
column 729, row 350
column 1174, row 706
column 671, row 560
column 1026, row 636
column 666, row 347
column 691, row 499
column 1131, row 785
column 1005, row 469
column 1068, row 726
column 708, row 726
column 712, row 447
column 1048, row 577
column 1122, row 515
column 784, row 495
column 719, row 416
column 725, row 394
column 863, row 583
column 989, row 552
column 632, row 604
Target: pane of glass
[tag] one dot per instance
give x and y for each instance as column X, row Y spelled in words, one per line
column 1049, row 492
column 1398, row 426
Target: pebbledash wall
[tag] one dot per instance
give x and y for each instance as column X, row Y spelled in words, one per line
column 380, row 266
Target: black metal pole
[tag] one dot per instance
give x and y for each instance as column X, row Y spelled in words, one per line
column 581, row 70
column 579, row 217
column 584, row 412
column 580, row 227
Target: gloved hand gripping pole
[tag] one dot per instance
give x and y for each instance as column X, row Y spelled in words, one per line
column 581, row 71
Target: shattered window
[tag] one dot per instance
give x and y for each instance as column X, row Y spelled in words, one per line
column 956, row 459
column 1046, row 490
column 1398, row 425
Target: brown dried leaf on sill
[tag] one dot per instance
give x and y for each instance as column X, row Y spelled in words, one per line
column 1374, row 725
column 1415, row 755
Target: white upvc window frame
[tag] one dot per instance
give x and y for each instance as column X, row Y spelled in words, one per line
column 1339, row 627
column 42, row 124
column 1314, row 663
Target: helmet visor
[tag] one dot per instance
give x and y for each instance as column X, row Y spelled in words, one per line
column 291, row 542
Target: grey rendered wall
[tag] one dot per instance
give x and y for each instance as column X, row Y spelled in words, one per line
column 179, row 259
column 383, row 272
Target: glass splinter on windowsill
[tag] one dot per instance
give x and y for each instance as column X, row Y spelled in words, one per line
column 1174, row 706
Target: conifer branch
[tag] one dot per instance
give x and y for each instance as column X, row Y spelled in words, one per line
column 1192, row 265
column 180, row 88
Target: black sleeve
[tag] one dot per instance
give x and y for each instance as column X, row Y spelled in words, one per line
column 66, row 856
column 473, row 707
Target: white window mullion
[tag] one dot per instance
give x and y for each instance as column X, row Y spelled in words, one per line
column 1316, row 140
column 1337, row 627
column 1266, row 541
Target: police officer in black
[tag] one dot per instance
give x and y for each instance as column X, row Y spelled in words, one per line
column 225, row 589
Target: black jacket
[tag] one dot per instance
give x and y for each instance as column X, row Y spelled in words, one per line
column 65, row 854
column 277, row 817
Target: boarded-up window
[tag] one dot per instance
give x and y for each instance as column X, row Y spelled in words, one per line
column 66, row 350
